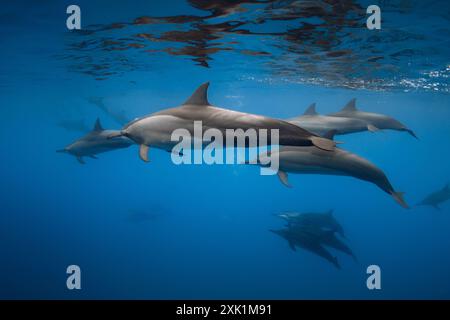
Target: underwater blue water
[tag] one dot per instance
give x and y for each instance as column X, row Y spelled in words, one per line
column 205, row 232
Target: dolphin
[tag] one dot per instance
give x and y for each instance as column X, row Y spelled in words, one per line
column 325, row 220
column 436, row 198
column 321, row 124
column 308, row 242
column 378, row 121
column 95, row 142
column 326, row 238
column 310, row 160
column 74, row 125
column 156, row 129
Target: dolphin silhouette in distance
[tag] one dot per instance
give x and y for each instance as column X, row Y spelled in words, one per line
column 324, row 220
column 95, row 142
column 308, row 160
column 436, row 198
column 377, row 120
column 321, row 124
column 155, row 129
column 325, row 237
column 306, row 241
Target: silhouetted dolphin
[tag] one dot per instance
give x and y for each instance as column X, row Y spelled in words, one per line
column 74, row 125
column 156, row 129
column 325, row 220
column 308, row 242
column 309, row 160
column 321, row 124
column 95, row 142
column 377, row 120
column 436, row 198
column 325, row 237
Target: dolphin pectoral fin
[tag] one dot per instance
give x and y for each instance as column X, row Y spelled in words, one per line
column 372, row 128
column 80, row 160
column 292, row 246
column 143, row 153
column 93, row 157
column 436, row 207
column 398, row 196
column 284, row 178
column 323, row 143
column 330, row 134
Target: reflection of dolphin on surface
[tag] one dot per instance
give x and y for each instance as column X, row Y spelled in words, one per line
column 306, row 241
column 325, row 220
column 156, row 129
column 436, row 198
column 95, row 142
column 321, row 124
column 309, row 160
column 377, row 120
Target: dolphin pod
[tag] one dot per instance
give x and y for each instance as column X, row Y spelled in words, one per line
column 155, row 130
column 95, row 142
column 301, row 151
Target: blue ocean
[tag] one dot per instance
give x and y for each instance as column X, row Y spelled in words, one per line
column 158, row 230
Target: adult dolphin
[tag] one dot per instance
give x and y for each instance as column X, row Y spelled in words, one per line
column 323, row 220
column 321, row 124
column 95, row 142
column 436, row 198
column 156, row 129
column 377, row 120
column 308, row 160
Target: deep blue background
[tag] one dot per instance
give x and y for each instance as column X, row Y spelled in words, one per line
column 210, row 238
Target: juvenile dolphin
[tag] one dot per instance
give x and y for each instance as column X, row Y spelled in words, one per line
column 436, row 198
column 309, row 160
column 308, row 242
column 378, row 121
column 156, row 129
column 321, row 124
column 95, row 142
column 325, row 220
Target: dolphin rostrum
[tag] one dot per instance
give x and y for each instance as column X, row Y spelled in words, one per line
column 155, row 129
column 378, row 121
column 306, row 241
column 309, row 160
column 436, row 198
column 321, row 124
column 325, row 220
column 95, row 142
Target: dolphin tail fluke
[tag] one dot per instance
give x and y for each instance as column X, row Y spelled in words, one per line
column 398, row 196
column 323, row 143
column 412, row 133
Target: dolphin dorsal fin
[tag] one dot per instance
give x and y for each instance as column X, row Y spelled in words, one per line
column 98, row 125
column 350, row 106
column 311, row 111
column 199, row 97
